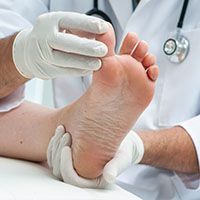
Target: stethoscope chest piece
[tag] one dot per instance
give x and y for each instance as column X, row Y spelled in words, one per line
column 176, row 49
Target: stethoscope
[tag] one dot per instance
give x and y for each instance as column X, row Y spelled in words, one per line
column 177, row 48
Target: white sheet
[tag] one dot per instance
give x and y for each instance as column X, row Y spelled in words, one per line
column 21, row 180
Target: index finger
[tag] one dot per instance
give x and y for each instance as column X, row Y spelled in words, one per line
column 83, row 22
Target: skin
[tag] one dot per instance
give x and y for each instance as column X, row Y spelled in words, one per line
column 10, row 78
column 173, row 143
column 29, row 141
column 26, row 131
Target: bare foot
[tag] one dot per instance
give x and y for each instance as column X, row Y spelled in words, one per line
column 119, row 93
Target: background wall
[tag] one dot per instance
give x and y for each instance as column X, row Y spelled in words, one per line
column 39, row 91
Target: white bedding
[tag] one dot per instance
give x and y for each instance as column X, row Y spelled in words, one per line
column 21, row 180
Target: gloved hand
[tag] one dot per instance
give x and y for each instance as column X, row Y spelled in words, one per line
column 130, row 152
column 52, row 48
column 59, row 158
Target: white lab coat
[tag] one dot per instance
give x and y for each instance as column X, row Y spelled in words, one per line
column 177, row 93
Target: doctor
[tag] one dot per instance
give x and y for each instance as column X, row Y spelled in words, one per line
column 171, row 148
column 169, row 127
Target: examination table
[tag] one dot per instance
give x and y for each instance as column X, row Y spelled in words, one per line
column 22, row 180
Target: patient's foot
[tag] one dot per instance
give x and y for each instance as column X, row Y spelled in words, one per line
column 119, row 93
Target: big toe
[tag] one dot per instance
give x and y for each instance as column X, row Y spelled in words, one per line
column 108, row 39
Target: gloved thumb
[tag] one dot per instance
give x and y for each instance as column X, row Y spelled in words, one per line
column 130, row 152
column 121, row 161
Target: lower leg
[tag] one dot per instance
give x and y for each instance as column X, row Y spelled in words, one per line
column 26, row 131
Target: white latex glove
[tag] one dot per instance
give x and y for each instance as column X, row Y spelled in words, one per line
column 130, row 152
column 59, row 159
column 52, row 49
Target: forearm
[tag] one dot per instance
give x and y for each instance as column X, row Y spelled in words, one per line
column 170, row 149
column 10, row 78
column 25, row 132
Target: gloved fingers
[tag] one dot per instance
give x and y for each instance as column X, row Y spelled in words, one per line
column 75, row 72
column 56, row 141
column 59, row 132
column 61, row 72
column 82, row 34
column 70, row 43
column 57, row 155
column 70, row 176
column 53, row 71
column 68, row 139
column 66, row 60
column 64, row 141
column 83, row 22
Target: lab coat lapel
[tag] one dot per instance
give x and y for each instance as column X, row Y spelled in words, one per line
column 142, row 4
column 119, row 8
column 119, row 12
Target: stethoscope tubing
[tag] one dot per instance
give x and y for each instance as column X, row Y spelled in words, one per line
column 183, row 13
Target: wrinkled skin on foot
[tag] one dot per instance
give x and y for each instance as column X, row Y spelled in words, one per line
column 101, row 118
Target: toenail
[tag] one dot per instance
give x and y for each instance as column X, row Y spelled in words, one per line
column 152, row 73
column 144, row 42
column 133, row 34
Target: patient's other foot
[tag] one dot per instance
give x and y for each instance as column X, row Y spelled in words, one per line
column 119, row 93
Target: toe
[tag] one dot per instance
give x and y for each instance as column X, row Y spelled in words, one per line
column 152, row 72
column 130, row 42
column 140, row 51
column 149, row 60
